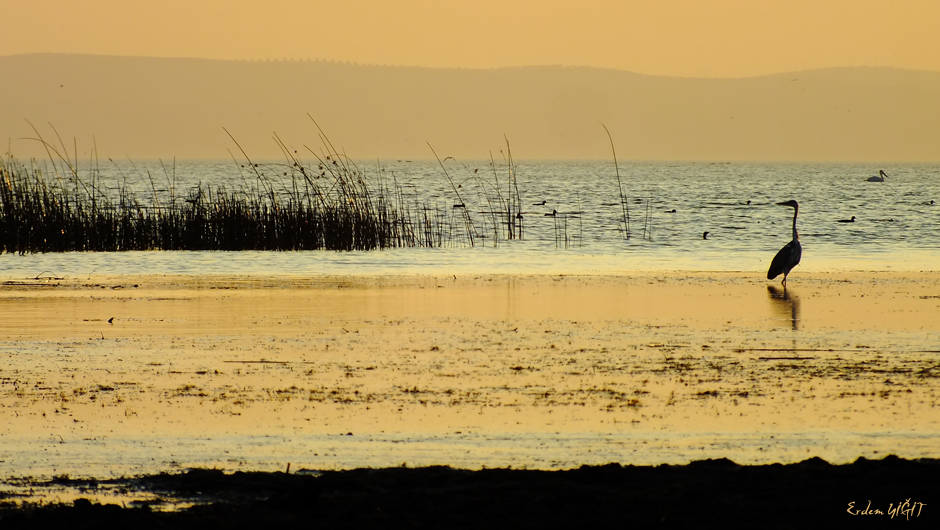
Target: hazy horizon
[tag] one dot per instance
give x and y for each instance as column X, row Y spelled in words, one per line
column 149, row 108
column 478, row 68
column 719, row 80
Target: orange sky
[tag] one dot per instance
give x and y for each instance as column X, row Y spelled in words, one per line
column 714, row 38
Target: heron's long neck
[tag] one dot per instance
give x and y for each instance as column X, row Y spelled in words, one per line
column 796, row 235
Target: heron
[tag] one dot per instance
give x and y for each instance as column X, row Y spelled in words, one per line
column 852, row 220
column 878, row 178
column 788, row 256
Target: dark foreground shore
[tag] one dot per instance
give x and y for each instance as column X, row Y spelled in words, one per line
column 886, row 493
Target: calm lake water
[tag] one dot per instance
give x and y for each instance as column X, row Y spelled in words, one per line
column 671, row 205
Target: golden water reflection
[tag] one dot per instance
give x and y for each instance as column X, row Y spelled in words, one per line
column 536, row 371
column 786, row 303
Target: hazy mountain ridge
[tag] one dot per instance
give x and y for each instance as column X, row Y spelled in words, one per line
column 156, row 107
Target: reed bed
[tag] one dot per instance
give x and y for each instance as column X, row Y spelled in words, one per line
column 327, row 203
column 321, row 206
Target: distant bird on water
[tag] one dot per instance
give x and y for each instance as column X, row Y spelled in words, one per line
column 878, row 178
column 788, row 256
column 852, row 220
column 705, row 235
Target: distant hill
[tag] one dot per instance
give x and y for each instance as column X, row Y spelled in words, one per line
column 156, row 107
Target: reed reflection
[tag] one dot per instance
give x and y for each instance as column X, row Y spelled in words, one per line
column 786, row 303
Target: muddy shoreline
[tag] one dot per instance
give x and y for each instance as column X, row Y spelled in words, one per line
column 377, row 381
column 708, row 493
column 115, row 376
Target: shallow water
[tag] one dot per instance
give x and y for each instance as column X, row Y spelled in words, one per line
column 897, row 227
column 537, row 371
column 173, row 382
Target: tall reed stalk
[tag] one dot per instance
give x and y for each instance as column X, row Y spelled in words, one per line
column 624, row 208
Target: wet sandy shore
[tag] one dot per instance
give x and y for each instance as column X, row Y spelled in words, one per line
column 119, row 376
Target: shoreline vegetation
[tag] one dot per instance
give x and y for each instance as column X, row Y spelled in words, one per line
column 704, row 493
column 329, row 204
column 326, row 204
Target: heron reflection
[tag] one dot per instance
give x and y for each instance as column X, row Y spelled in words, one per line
column 785, row 304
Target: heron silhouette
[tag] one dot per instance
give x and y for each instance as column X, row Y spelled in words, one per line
column 788, row 256
column 880, row 177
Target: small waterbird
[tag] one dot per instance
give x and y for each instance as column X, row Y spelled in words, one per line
column 788, row 256
column 705, row 235
column 880, row 177
column 852, row 220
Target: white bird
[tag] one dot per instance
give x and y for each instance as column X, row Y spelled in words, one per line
column 788, row 256
column 878, row 178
